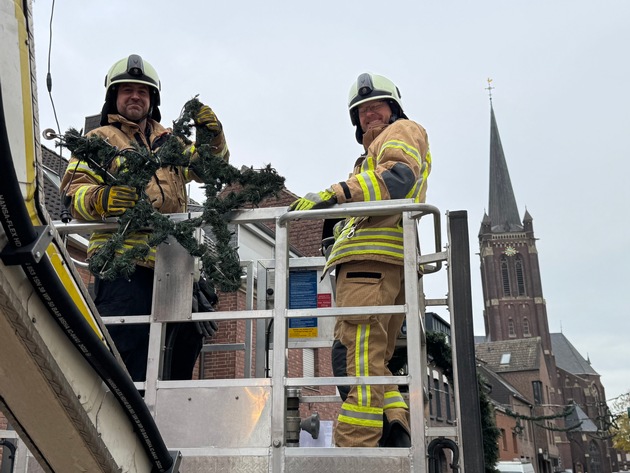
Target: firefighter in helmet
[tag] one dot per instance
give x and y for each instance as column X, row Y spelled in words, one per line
column 368, row 256
column 131, row 117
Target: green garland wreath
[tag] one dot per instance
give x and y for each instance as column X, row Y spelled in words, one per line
column 249, row 188
column 567, row 411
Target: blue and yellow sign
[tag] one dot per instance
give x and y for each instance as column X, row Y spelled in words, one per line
column 303, row 295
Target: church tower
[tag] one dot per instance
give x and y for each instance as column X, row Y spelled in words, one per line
column 514, row 307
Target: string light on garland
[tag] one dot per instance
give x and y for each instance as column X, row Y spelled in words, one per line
column 138, row 166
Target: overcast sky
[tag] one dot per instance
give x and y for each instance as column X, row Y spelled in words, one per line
column 278, row 74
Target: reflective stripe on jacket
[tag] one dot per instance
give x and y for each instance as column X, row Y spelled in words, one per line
column 396, row 166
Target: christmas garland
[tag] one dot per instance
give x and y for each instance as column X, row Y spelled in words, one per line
column 249, row 188
column 567, row 411
column 440, row 352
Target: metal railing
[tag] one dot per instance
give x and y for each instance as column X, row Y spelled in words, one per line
column 269, row 438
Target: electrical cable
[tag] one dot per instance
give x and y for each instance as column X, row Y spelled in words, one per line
column 66, row 215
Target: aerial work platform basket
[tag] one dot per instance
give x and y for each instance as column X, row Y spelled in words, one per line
column 252, row 423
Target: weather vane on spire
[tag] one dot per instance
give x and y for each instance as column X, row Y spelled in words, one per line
column 489, row 89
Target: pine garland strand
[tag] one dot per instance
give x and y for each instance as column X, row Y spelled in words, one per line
column 249, row 188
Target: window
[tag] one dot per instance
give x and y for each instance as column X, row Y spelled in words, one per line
column 447, row 400
column 505, row 358
column 503, row 439
column 514, row 442
column 511, row 331
column 526, row 331
column 430, row 396
column 538, row 393
column 520, row 279
column 505, row 275
column 438, row 401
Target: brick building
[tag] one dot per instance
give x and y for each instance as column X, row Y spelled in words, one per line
column 568, row 408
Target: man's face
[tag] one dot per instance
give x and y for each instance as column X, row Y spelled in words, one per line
column 374, row 113
column 133, row 101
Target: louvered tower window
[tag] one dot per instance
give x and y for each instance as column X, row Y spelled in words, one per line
column 505, row 275
column 520, row 279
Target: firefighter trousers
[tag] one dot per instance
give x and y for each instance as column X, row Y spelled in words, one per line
column 370, row 341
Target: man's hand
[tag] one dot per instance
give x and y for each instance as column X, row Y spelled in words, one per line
column 207, row 118
column 313, row 201
column 204, row 300
column 115, row 200
column 207, row 328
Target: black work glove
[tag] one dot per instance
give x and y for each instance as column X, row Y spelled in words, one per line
column 204, row 300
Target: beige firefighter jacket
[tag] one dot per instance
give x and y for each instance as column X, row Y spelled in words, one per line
column 166, row 190
column 396, row 165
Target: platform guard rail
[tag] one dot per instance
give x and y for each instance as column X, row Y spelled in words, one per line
column 239, row 425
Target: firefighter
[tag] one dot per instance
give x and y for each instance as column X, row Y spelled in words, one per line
column 368, row 256
column 130, row 117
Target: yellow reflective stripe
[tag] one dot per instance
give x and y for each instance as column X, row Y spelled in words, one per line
column 25, row 97
column 80, row 204
column 119, row 160
column 397, row 144
column 382, row 248
column 368, row 181
column 134, row 240
column 385, row 232
column 82, row 166
column 361, row 422
column 369, row 164
column 70, row 285
column 369, row 185
column 357, row 415
column 370, row 246
column 366, row 187
column 394, row 399
column 361, row 360
column 426, row 168
column 414, row 192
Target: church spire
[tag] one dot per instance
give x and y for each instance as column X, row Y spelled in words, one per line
column 502, row 207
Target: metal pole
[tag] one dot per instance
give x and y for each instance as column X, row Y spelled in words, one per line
column 463, row 342
column 280, row 355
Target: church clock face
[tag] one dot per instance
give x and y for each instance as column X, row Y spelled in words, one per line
column 509, row 251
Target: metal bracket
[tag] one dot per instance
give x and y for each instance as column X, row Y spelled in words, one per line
column 31, row 253
column 176, row 455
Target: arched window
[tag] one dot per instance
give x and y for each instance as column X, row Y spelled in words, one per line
column 505, row 275
column 594, row 458
column 526, row 331
column 520, row 279
column 511, row 331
